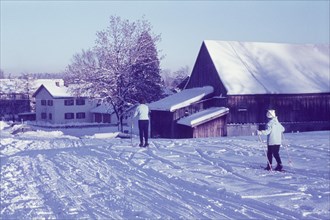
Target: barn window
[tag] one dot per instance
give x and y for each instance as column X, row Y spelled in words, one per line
column 50, row 116
column 50, row 102
column 43, row 102
column 242, row 106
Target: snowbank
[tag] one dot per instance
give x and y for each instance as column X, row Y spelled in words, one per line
column 207, row 178
column 103, row 135
column 3, row 125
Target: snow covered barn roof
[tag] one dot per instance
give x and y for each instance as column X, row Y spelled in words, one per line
column 271, row 68
column 203, row 116
column 55, row 91
column 181, row 99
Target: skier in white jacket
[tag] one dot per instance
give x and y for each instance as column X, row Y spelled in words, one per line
column 142, row 112
column 274, row 130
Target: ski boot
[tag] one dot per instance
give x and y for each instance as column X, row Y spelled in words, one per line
column 279, row 167
column 268, row 167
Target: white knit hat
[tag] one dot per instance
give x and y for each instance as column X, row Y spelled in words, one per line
column 271, row 113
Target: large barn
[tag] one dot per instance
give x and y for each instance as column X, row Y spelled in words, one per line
column 247, row 79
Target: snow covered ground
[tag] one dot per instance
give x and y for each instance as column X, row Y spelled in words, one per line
column 54, row 175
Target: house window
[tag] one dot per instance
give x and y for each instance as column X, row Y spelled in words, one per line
column 43, row 102
column 106, row 118
column 80, row 102
column 43, row 115
column 50, row 116
column 50, row 102
column 80, row 115
column 69, row 115
column 69, row 102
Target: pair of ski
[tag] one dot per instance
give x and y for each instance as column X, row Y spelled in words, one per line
column 142, row 147
column 273, row 170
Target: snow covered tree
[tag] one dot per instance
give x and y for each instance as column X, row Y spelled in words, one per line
column 28, row 87
column 85, row 74
column 146, row 71
column 109, row 71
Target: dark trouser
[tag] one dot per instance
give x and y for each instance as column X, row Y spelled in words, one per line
column 273, row 150
column 143, row 130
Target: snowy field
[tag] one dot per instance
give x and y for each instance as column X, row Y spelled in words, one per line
column 54, row 175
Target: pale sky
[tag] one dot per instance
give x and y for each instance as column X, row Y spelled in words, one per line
column 42, row 36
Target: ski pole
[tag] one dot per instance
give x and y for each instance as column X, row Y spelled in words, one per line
column 287, row 151
column 262, row 145
column 132, row 132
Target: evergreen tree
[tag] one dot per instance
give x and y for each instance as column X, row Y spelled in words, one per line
column 146, row 71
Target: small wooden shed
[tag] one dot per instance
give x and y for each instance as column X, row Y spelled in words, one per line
column 206, row 123
column 184, row 115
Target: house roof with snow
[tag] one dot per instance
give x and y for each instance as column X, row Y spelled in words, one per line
column 271, row 68
column 55, row 91
column 203, row 116
column 182, row 99
column 17, row 85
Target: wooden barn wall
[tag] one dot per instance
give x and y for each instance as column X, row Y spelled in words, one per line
column 205, row 74
column 214, row 128
column 289, row 108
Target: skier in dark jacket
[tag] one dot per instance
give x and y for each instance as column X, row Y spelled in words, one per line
column 274, row 130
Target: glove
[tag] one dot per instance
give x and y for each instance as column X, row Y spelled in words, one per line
column 259, row 132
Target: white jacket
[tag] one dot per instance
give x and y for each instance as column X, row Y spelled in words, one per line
column 274, row 130
column 142, row 111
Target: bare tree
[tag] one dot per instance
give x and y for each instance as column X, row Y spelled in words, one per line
column 106, row 72
column 173, row 79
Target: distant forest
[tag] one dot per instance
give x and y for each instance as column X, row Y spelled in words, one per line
column 33, row 76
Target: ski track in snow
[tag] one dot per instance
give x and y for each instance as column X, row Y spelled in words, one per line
column 216, row 178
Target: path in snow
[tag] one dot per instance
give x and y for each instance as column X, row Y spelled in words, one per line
column 65, row 177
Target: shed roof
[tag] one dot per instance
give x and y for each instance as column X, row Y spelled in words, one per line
column 181, row 99
column 203, row 116
column 271, row 68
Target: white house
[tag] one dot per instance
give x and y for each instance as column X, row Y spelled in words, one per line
column 16, row 95
column 56, row 105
